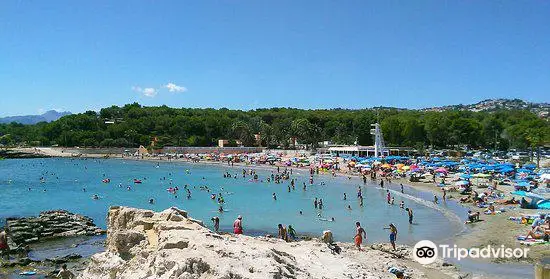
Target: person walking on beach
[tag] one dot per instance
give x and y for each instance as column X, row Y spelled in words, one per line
column 410, row 215
column 393, row 234
column 359, row 233
column 444, row 194
column 216, row 221
column 64, row 273
column 238, row 225
column 4, row 247
column 402, row 189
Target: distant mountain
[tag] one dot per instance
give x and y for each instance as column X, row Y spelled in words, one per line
column 48, row 116
column 541, row 109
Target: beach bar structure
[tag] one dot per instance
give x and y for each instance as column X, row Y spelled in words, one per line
column 355, row 150
column 368, row 151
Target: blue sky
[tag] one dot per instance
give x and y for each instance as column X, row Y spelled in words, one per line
column 80, row 55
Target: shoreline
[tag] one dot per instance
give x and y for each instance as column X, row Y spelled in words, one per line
column 495, row 230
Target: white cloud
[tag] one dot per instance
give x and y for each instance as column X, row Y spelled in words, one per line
column 148, row 91
column 172, row 87
column 152, row 92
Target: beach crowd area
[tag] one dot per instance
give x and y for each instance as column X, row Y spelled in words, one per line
column 501, row 203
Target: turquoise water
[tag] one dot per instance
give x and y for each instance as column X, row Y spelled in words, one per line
column 64, row 180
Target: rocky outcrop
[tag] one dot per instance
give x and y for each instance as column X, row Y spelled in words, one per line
column 169, row 244
column 50, row 224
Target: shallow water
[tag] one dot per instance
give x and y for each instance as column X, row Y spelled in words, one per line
column 66, row 178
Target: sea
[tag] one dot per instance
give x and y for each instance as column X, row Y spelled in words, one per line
column 29, row 186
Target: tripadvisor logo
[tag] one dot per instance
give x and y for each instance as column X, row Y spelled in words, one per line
column 426, row 252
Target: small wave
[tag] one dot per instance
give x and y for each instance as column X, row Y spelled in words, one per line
column 449, row 214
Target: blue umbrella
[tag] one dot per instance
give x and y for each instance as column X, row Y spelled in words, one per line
column 465, row 176
column 524, row 170
column 523, row 184
column 529, row 166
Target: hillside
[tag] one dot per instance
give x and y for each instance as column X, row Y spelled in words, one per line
column 540, row 109
column 48, row 116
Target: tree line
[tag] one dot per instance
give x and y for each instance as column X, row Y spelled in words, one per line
column 133, row 125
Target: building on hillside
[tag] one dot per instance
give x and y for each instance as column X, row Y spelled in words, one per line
column 226, row 143
column 142, row 150
column 222, row 143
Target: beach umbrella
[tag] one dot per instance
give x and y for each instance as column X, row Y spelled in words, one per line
column 465, row 176
column 534, row 196
column 462, row 183
column 481, row 175
column 529, row 166
column 406, row 167
column 523, row 184
column 442, row 170
column 386, row 166
column 524, row 170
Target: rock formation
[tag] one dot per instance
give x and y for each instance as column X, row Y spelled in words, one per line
column 50, row 224
column 170, row 244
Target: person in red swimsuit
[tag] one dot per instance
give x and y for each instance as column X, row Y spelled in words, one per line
column 238, row 225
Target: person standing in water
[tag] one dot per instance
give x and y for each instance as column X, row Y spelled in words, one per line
column 410, row 215
column 359, row 233
column 216, row 221
column 388, row 196
column 315, row 203
column 402, row 189
column 283, row 232
column 238, row 225
column 393, row 234
column 436, row 200
column 291, row 231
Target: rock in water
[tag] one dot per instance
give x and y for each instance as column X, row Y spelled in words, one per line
column 50, row 224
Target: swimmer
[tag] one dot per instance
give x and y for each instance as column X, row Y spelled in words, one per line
column 95, row 197
column 274, row 197
column 410, row 212
column 402, row 204
column 151, row 201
